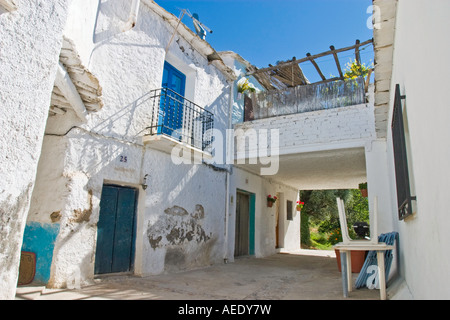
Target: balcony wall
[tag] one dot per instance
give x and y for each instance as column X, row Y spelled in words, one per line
column 301, row 99
column 311, row 131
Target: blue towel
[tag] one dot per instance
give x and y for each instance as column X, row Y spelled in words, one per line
column 371, row 260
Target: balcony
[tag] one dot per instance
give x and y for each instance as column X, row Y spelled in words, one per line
column 176, row 121
column 307, row 98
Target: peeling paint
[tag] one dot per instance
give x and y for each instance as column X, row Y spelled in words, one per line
column 85, row 214
column 199, row 212
column 154, row 242
column 55, row 216
column 176, row 211
column 177, row 228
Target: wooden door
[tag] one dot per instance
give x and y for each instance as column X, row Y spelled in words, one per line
column 115, row 230
column 242, row 231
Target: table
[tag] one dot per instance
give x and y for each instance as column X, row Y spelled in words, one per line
column 345, row 250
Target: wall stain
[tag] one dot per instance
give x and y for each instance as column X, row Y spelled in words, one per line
column 55, row 216
column 83, row 215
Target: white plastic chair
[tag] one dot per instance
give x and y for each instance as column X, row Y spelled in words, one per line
column 348, row 245
column 344, row 229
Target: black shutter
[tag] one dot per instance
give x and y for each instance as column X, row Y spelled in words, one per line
column 401, row 163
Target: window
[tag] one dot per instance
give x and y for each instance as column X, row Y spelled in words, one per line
column 404, row 197
column 289, row 210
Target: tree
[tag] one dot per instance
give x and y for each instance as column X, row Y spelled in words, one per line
column 321, row 205
column 321, row 209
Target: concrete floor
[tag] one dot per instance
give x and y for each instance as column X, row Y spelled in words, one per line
column 304, row 275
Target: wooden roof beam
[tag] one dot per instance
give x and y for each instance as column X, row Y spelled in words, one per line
column 336, row 59
column 298, row 61
column 316, row 66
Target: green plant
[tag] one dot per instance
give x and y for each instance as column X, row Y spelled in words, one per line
column 335, row 236
column 300, row 204
column 305, row 233
column 355, row 70
column 243, row 85
column 362, row 186
column 271, row 199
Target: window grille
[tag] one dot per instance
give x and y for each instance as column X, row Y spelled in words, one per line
column 404, row 197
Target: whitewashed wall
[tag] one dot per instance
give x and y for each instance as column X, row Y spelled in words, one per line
column 421, row 29
column 129, row 65
column 30, row 42
column 317, row 127
column 265, row 241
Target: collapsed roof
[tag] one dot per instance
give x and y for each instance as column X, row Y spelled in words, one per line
column 288, row 74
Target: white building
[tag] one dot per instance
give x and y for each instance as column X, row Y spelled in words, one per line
column 411, row 52
column 110, row 193
column 90, row 152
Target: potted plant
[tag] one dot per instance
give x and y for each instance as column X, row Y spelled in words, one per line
column 244, row 85
column 271, row 200
column 300, row 205
column 355, row 70
column 357, row 256
column 363, row 189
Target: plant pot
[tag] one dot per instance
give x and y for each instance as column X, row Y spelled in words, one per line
column 358, row 258
column 364, row 193
column 269, row 204
column 299, row 209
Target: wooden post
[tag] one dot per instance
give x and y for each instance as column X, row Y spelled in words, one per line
column 315, row 66
column 357, row 54
column 336, row 59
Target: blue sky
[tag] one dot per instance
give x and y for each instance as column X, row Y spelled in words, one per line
column 266, row 31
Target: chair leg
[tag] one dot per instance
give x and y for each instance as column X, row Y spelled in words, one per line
column 344, row 273
column 381, row 274
column 349, row 271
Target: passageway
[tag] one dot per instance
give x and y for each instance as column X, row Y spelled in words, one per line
column 303, row 275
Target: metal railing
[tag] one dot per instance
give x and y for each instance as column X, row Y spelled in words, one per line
column 181, row 119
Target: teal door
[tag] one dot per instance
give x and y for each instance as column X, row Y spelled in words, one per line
column 116, row 230
column 172, row 101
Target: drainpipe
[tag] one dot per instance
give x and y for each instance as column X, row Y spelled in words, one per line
column 125, row 26
column 65, row 84
column 227, row 203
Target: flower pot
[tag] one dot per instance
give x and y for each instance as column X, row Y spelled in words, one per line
column 299, row 209
column 269, row 204
column 358, row 258
column 364, row 193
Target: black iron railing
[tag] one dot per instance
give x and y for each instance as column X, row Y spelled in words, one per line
column 181, row 119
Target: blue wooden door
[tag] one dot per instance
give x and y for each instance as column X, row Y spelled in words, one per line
column 115, row 230
column 172, row 102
